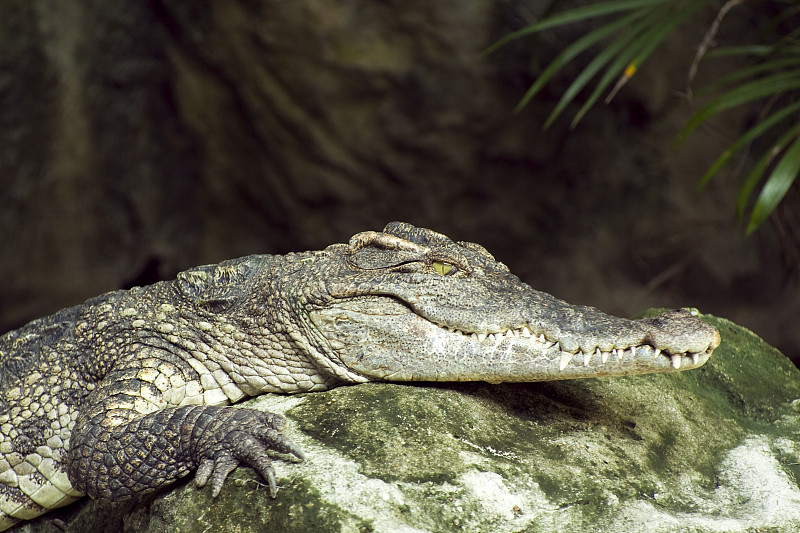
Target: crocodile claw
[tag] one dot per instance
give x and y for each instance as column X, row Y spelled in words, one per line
column 248, row 438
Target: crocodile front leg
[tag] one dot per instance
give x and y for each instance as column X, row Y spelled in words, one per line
column 117, row 452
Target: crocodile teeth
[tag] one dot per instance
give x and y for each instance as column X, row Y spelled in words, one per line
column 585, row 358
column 481, row 336
column 541, row 338
column 526, row 332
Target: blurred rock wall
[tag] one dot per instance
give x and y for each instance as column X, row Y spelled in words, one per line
column 139, row 138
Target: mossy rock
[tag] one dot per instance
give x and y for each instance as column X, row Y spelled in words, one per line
column 709, row 450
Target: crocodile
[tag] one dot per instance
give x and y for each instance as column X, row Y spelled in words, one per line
column 128, row 392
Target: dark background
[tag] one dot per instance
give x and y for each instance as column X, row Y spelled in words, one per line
column 139, row 138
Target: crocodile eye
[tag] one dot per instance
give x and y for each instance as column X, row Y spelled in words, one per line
column 442, row 268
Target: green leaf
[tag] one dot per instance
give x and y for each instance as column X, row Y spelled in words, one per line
column 776, row 65
column 747, row 138
column 756, row 50
column 782, row 177
column 760, row 167
column 571, row 52
column 654, row 30
column 573, row 15
column 586, row 75
column 624, row 42
column 760, row 88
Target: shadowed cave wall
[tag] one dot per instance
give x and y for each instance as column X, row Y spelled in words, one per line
column 140, row 138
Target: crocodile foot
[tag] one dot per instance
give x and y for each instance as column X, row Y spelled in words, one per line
column 241, row 436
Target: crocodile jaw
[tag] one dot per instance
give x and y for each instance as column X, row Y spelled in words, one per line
column 382, row 338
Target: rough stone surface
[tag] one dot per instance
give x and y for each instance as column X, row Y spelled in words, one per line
column 714, row 450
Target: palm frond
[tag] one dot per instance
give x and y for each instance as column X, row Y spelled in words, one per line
column 778, row 183
column 635, row 31
column 653, row 30
column 571, row 52
column 574, row 15
column 761, row 166
column 751, row 135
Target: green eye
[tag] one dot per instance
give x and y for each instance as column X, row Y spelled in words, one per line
column 442, row 268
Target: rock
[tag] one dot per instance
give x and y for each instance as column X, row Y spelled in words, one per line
column 711, row 450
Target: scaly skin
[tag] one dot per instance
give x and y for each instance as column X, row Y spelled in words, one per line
column 124, row 394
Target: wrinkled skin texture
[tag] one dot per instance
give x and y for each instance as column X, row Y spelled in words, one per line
column 394, row 319
column 124, row 394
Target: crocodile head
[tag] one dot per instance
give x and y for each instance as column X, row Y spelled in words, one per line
column 411, row 304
